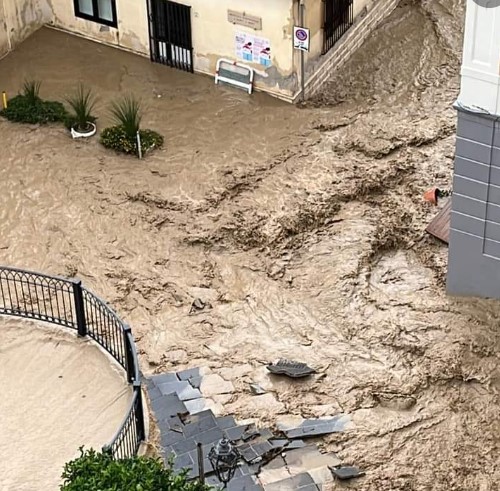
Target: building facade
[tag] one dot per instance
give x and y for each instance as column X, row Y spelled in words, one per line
column 194, row 34
column 474, row 254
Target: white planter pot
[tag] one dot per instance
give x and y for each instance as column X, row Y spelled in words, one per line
column 87, row 134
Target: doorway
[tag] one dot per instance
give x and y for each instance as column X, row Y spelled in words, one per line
column 170, row 34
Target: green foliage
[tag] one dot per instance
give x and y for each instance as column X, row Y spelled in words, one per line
column 126, row 113
column 31, row 90
column 94, row 471
column 117, row 138
column 82, row 102
column 33, row 110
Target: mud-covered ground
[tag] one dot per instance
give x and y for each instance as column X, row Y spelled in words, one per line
column 301, row 228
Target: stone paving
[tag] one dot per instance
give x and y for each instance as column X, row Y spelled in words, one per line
column 187, row 406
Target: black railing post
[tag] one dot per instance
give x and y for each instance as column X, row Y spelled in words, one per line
column 139, row 413
column 81, row 321
column 127, row 337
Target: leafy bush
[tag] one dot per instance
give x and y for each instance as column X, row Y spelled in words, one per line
column 117, row 138
column 29, row 108
column 127, row 113
column 82, row 102
column 94, row 471
column 24, row 109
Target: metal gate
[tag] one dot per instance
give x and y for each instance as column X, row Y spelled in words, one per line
column 170, row 34
column 338, row 19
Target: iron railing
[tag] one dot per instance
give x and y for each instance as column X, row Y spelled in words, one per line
column 338, row 19
column 67, row 303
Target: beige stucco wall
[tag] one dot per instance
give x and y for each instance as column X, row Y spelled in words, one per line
column 213, row 35
column 19, row 19
column 4, row 38
column 132, row 31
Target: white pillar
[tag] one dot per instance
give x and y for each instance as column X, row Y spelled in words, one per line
column 480, row 87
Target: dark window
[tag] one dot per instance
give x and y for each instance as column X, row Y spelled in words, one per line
column 101, row 11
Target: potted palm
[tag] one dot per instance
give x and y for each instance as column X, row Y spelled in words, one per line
column 81, row 122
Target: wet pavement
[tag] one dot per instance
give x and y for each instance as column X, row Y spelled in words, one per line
column 301, row 231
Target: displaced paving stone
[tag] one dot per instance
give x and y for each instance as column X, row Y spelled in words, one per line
column 290, row 368
column 189, row 373
column 195, row 382
column 255, row 451
column 214, row 384
column 168, row 406
column 183, row 389
column 226, row 422
column 163, row 378
column 300, row 482
column 241, row 483
column 234, row 434
column 347, row 472
column 196, row 405
column 316, row 427
column 257, row 389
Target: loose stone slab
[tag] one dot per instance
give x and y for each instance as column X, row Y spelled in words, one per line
column 316, row 427
column 347, row 472
column 290, row 368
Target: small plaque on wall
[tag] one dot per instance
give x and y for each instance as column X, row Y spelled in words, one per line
column 243, row 19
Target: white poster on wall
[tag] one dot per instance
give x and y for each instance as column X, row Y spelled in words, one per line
column 253, row 49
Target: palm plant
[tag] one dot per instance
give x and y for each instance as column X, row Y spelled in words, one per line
column 31, row 90
column 82, row 102
column 126, row 113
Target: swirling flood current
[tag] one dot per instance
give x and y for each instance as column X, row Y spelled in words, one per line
column 302, row 230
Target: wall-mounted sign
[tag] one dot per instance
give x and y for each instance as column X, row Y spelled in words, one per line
column 253, row 49
column 244, row 19
column 301, row 38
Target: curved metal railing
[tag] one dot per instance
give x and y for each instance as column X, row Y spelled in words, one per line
column 67, row 303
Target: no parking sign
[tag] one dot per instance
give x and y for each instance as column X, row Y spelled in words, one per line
column 301, row 38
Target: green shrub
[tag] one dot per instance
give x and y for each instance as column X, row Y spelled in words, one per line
column 127, row 113
column 82, row 102
column 31, row 90
column 28, row 108
column 94, row 471
column 117, row 138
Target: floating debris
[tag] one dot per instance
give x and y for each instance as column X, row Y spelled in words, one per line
column 257, row 389
column 347, row 472
column 290, row 368
column 315, row 427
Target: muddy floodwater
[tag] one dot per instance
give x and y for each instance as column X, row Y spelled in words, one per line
column 301, row 229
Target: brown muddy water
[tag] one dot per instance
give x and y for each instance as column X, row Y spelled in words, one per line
column 301, row 228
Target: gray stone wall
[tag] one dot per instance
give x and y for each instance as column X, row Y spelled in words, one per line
column 474, row 254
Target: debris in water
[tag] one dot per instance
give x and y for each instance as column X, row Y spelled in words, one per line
column 348, row 472
column 432, row 195
column 315, row 427
column 257, row 389
column 290, row 368
column 198, row 305
column 440, row 225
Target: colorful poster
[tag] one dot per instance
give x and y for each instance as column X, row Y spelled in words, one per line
column 253, row 49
